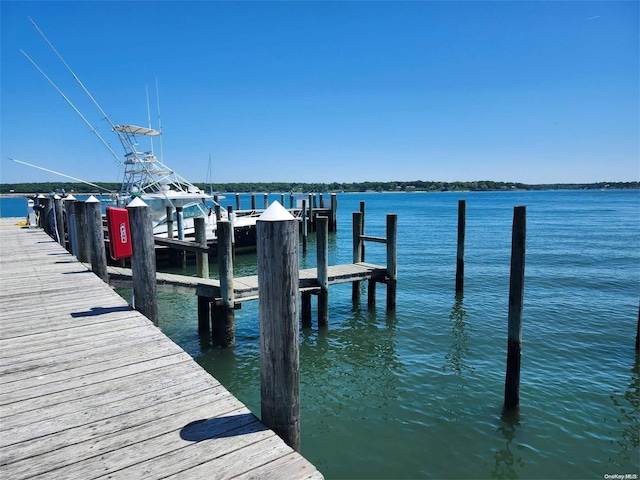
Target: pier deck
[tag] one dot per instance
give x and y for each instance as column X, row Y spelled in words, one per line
column 91, row 389
column 246, row 288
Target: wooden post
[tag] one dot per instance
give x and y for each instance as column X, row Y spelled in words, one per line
column 218, row 212
column 70, row 224
column 291, row 200
column 59, row 215
column 181, row 255
column 143, row 262
column 169, row 221
column 223, row 316
column 371, row 293
column 357, row 251
column 310, row 215
column 266, row 200
column 516, row 297
column 392, row 259
column 333, row 227
column 322, row 244
column 82, row 230
column 202, row 258
column 40, row 201
column 362, row 256
column 306, row 309
column 462, row 209
column 253, row 201
column 304, row 226
column 282, row 199
column 49, row 224
column 96, row 238
column 237, row 201
column 277, row 248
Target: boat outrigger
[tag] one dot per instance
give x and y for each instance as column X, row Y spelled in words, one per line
column 148, row 177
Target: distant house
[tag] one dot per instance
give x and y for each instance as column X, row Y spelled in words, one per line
column 410, row 187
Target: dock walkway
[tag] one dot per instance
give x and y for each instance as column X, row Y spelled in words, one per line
column 89, row 388
column 246, row 288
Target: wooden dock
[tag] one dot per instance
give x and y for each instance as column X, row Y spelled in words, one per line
column 246, row 288
column 91, row 389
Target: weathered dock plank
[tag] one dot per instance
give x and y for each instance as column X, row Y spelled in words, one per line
column 91, row 389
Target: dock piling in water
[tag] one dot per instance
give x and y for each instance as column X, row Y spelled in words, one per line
column 322, row 257
column 277, row 248
column 223, row 316
column 516, row 298
column 462, row 212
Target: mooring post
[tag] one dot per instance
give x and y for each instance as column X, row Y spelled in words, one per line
column 333, row 227
column 278, row 280
column 304, row 226
column 306, row 309
column 310, row 215
column 82, row 231
column 232, row 218
column 223, row 316
column 322, row 244
column 237, row 201
column 143, row 261
column 49, row 224
column 41, row 211
column 69, row 203
column 282, row 199
column 266, row 200
column 392, row 259
column 462, row 212
column 181, row 255
column 516, row 297
column 253, row 201
column 169, row 221
column 96, row 238
column 59, row 214
column 291, row 200
column 202, row 258
column 358, row 251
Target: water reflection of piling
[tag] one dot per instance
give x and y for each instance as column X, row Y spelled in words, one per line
column 456, row 357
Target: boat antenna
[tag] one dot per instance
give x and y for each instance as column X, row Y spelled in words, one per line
column 61, row 174
column 93, row 129
column 159, row 122
column 149, row 117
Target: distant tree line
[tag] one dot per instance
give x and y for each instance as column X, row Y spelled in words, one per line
column 246, row 187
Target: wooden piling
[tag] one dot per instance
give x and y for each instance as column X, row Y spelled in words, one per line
column 310, row 214
column 358, row 251
column 277, row 249
column 59, row 215
column 392, row 259
column 170, row 221
column 253, row 201
column 202, row 258
column 516, row 298
column 462, row 208
column 237, row 201
column 143, row 262
column 82, row 232
column 306, row 309
column 304, row 226
column 322, row 257
column 70, row 223
column 223, row 316
column 49, row 223
column 266, row 200
column 96, row 239
column 333, row 226
column 181, row 255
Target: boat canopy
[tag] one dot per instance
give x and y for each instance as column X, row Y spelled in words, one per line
column 135, row 130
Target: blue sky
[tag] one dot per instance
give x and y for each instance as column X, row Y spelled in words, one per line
column 533, row 92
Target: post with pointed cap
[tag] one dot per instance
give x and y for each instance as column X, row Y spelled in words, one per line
column 69, row 204
column 516, row 297
column 96, row 238
column 223, row 316
column 59, row 214
column 278, row 277
column 143, row 262
column 82, row 232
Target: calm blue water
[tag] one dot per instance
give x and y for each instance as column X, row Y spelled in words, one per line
column 418, row 393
